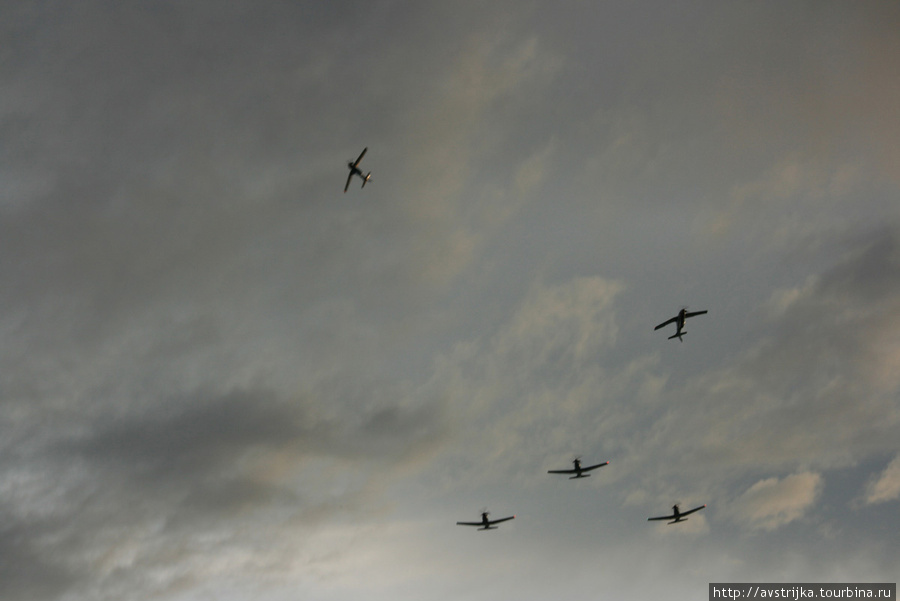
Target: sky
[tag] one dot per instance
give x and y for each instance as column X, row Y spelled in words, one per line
column 223, row 378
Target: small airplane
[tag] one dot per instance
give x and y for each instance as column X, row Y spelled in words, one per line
column 485, row 523
column 677, row 516
column 355, row 170
column 578, row 470
column 678, row 320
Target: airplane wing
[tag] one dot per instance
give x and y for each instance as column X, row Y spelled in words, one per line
column 695, row 313
column 684, row 513
column 347, row 185
column 470, row 523
column 679, row 516
column 667, row 322
column 563, row 471
column 593, row 467
column 361, row 155
column 492, row 522
column 664, row 517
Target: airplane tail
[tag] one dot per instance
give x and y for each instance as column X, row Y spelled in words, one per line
column 579, row 476
column 678, row 336
column 366, row 178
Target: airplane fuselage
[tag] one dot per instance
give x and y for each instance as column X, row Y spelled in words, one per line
column 578, row 472
column 676, row 513
column 357, row 171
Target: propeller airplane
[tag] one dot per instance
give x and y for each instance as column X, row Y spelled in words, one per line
column 578, row 470
column 355, row 170
column 485, row 523
column 677, row 516
column 679, row 320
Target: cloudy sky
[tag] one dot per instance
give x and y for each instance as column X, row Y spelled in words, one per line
column 222, row 378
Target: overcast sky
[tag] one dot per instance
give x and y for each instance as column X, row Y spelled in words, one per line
column 222, row 378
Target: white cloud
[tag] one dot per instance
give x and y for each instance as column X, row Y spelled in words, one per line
column 782, row 299
column 887, row 487
column 772, row 503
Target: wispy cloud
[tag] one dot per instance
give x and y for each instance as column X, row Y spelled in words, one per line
column 454, row 138
column 773, row 502
column 887, row 486
column 535, row 385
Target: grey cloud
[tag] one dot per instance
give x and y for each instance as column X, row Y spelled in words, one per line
column 26, row 572
column 186, row 474
column 217, row 439
column 814, row 391
column 832, row 328
column 211, row 356
column 205, row 432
